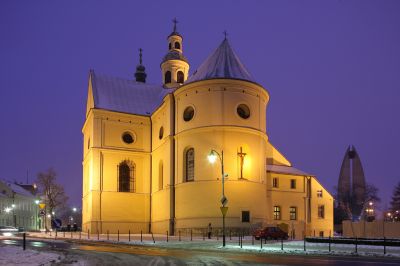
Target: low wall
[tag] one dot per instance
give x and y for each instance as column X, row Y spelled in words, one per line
column 376, row 229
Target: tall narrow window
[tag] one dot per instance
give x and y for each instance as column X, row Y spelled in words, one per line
column 180, row 77
column 275, row 182
column 292, row 183
column 177, row 45
column 189, row 159
column 293, row 213
column 160, row 176
column 321, row 211
column 167, row 78
column 277, row 212
column 126, row 180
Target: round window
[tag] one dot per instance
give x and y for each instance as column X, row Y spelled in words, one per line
column 161, row 133
column 128, row 138
column 188, row 113
column 243, row 111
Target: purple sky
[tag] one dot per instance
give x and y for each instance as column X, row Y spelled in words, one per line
column 332, row 69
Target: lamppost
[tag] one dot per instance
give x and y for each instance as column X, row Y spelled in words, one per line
column 212, row 157
column 37, row 214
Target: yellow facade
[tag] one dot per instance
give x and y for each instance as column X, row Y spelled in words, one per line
column 176, row 191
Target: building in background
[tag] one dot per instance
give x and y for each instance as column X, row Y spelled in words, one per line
column 18, row 205
column 145, row 153
column 351, row 194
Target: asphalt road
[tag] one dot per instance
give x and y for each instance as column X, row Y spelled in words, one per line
column 119, row 254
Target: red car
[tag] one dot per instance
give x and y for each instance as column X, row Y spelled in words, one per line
column 270, row 233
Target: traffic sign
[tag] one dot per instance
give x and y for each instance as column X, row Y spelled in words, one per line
column 224, row 210
column 42, row 213
column 42, row 206
column 224, row 201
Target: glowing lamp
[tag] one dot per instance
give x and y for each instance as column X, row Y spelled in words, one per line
column 212, row 157
column 37, row 202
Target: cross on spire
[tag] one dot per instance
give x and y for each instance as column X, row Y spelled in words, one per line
column 175, row 22
column 225, row 34
column 140, row 56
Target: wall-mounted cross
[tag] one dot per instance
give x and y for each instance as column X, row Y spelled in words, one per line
column 241, row 155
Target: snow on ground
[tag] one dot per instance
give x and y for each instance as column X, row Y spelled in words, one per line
column 198, row 243
column 12, row 255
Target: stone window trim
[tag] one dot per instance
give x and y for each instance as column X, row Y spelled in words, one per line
column 189, row 113
column 125, row 137
column 243, row 110
column 189, row 164
column 126, row 176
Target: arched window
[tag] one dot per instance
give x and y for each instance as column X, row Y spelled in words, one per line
column 126, row 179
column 189, row 165
column 167, row 78
column 180, row 77
column 160, row 176
column 177, row 45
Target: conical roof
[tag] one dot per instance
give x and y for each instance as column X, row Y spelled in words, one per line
column 222, row 63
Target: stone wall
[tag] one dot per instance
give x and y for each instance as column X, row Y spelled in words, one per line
column 376, row 229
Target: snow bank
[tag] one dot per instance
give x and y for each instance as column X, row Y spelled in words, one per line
column 11, row 255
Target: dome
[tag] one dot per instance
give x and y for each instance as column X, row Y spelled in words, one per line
column 222, row 63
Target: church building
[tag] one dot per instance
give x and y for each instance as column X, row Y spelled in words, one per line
column 146, row 149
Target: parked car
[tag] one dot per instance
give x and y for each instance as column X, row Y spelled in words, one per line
column 8, row 230
column 270, row 233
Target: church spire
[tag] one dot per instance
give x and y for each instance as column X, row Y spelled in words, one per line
column 174, row 66
column 140, row 73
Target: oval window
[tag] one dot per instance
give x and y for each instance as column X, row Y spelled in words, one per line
column 188, row 113
column 243, row 111
column 128, row 138
column 161, row 133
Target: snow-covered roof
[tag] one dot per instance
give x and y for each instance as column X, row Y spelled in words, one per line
column 18, row 189
column 286, row 170
column 127, row 96
column 223, row 63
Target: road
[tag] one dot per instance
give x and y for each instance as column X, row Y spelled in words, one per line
column 122, row 254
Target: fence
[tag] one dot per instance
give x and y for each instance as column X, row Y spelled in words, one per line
column 243, row 241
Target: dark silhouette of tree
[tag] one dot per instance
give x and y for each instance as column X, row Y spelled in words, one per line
column 395, row 202
column 371, row 193
column 52, row 193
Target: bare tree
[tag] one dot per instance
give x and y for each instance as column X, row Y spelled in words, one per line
column 53, row 193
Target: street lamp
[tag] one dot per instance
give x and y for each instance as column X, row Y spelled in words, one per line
column 212, row 157
column 37, row 215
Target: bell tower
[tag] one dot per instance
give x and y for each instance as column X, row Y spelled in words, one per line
column 174, row 66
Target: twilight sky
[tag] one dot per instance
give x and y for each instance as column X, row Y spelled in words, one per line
column 332, row 69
